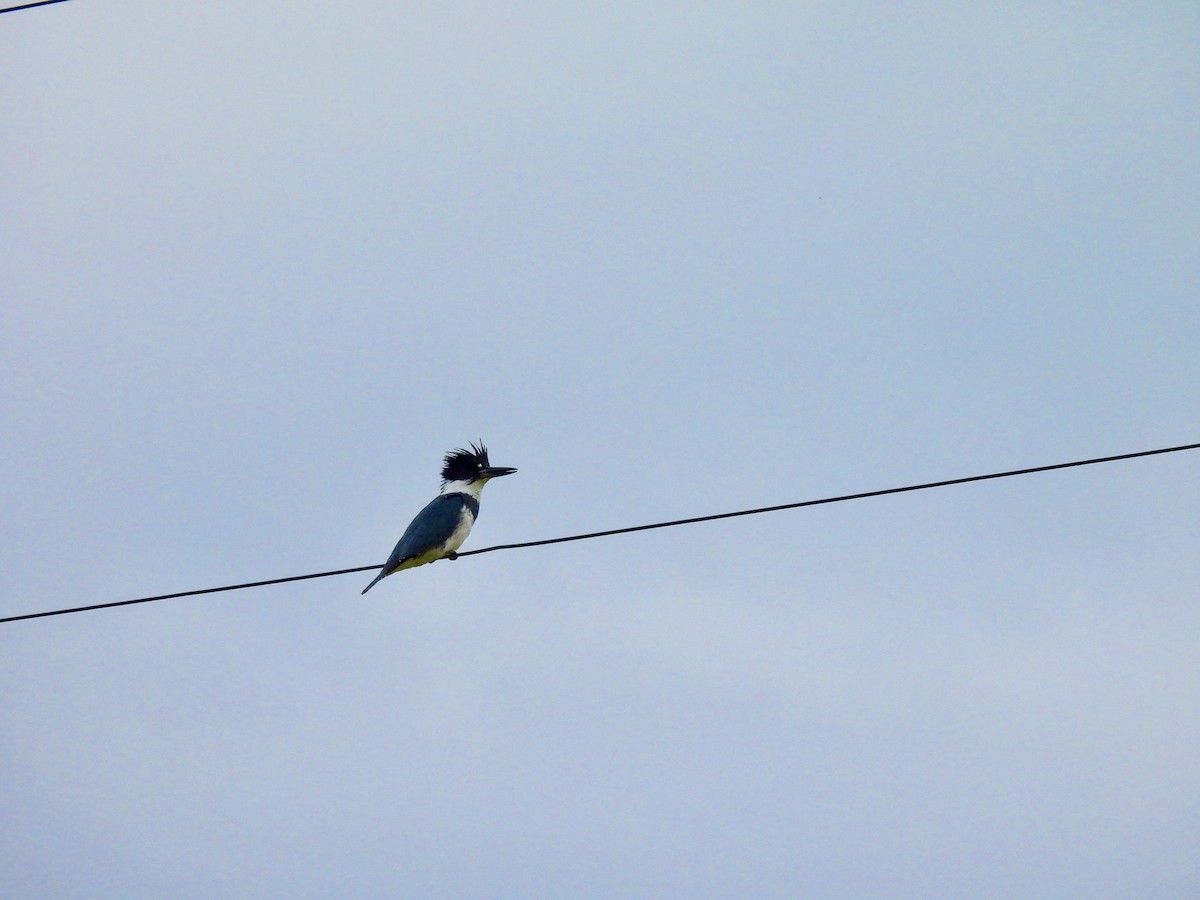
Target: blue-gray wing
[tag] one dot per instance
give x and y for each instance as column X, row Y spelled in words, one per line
column 432, row 526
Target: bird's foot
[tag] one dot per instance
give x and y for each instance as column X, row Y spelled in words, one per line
column 451, row 555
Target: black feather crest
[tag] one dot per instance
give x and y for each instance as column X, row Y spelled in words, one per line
column 464, row 465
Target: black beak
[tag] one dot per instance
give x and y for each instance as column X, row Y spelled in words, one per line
column 496, row 471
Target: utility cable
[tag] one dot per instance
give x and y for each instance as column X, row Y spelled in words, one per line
column 596, row 534
column 31, row 5
column 823, row 500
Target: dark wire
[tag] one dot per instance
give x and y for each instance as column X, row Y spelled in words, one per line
column 216, row 590
column 860, row 496
column 596, row 534
column 31, row 5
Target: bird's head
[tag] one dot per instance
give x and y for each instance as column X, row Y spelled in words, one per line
column 471, row 466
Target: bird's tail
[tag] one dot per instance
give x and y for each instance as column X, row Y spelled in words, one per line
column 383, row 573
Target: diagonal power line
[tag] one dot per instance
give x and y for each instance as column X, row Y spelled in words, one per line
column 30, row 5
column 597, row 534
column 860, row 496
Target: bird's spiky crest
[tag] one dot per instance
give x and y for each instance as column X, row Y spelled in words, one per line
column 464, row 465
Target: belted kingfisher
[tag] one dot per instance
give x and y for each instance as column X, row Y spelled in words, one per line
column 441, row 527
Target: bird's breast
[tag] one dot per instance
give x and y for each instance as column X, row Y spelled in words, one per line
column 466, row 518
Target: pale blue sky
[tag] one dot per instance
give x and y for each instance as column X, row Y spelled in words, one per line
column 263, row 264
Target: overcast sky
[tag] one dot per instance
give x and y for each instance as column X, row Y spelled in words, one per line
column 262, row 264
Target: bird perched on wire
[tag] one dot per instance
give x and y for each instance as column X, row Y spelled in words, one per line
column 442, row 526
